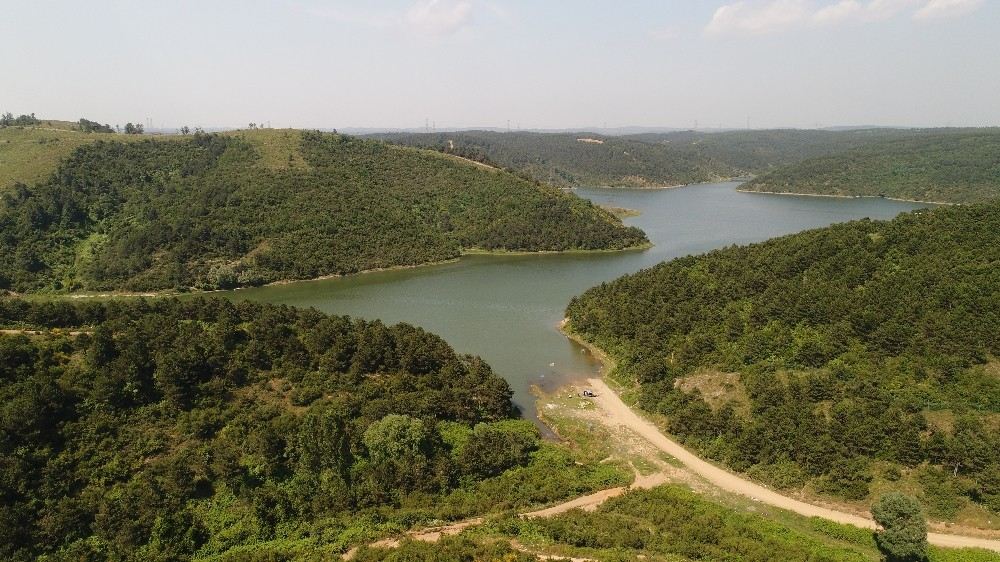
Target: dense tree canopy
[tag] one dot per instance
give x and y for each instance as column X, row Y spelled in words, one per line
column 859, row 343
column 961, row 166
column 88, row 126
column 166, row 430
column 213, row 211
column 8, row 120
column 653, row 159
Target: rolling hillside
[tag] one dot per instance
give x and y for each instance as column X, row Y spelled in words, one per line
column 842, row 361
column 246, row 208
column 643, row 160
column 946, row 166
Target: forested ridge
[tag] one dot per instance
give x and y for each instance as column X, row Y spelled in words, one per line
column 172, row 430
column 643, row 160
column 845, row 360
column 220, row 211
column 943, row 166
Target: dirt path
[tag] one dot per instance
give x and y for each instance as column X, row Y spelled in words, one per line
column 587, row 503
column 617, row 413
column 482, row 165
column 593, row 501
column 39, row 332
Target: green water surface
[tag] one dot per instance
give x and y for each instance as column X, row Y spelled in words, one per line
column 507, row 308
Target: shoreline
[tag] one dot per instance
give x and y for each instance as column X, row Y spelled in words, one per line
column 197, row 292
column 167, row 293
column 897, row 199
column 480, row 252
column 340, row 275
column 608, row 364
column 659, row 187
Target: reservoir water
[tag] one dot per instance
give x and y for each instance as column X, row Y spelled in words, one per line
column 507, row 308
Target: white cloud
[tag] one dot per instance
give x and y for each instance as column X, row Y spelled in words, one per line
column 937, row 9
column 439, row 17
column 858, row 11
column 757, row 17
column 836, row 13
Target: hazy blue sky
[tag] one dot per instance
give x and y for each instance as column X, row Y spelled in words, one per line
column 540, row 64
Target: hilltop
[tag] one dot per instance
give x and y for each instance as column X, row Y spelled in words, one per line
column 641, row 160
column 961, row 166
column 252, row 207
column 840, row 362
column 30, row 154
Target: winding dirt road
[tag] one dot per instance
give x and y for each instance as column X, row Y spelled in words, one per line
column 617, row 413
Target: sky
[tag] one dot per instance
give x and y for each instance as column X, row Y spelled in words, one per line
column 484, row 63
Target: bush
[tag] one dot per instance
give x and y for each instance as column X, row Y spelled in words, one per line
column 903, row 531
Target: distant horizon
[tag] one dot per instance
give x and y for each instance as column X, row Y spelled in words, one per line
column 398, row 64
column 608, row 130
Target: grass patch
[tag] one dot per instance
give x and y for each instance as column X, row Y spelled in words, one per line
column 30, row 154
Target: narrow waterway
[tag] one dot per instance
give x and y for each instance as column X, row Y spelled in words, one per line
column 507, row 308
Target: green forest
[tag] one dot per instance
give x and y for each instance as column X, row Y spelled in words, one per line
column 171, row 430
column 644, row 160
column 845, row 360
column 960, row 166
column 222, row 211
column 842, row 362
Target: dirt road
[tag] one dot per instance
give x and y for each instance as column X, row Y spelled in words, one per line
column 592, row 501
column 39, row 332
column 587, row 503
column 617, row 413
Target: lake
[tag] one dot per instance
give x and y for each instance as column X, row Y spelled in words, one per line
column 507, row 308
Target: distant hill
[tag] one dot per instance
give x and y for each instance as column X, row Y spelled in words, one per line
column 652, row 159
column 845, row 360
column 961, row 166
column 217, row 211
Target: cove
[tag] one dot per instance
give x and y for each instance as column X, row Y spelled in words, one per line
column 506, row 309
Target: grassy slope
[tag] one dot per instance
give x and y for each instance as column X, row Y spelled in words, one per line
column 675, row 523
column 953, row 167
column 30, row 154
column 251, row 207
